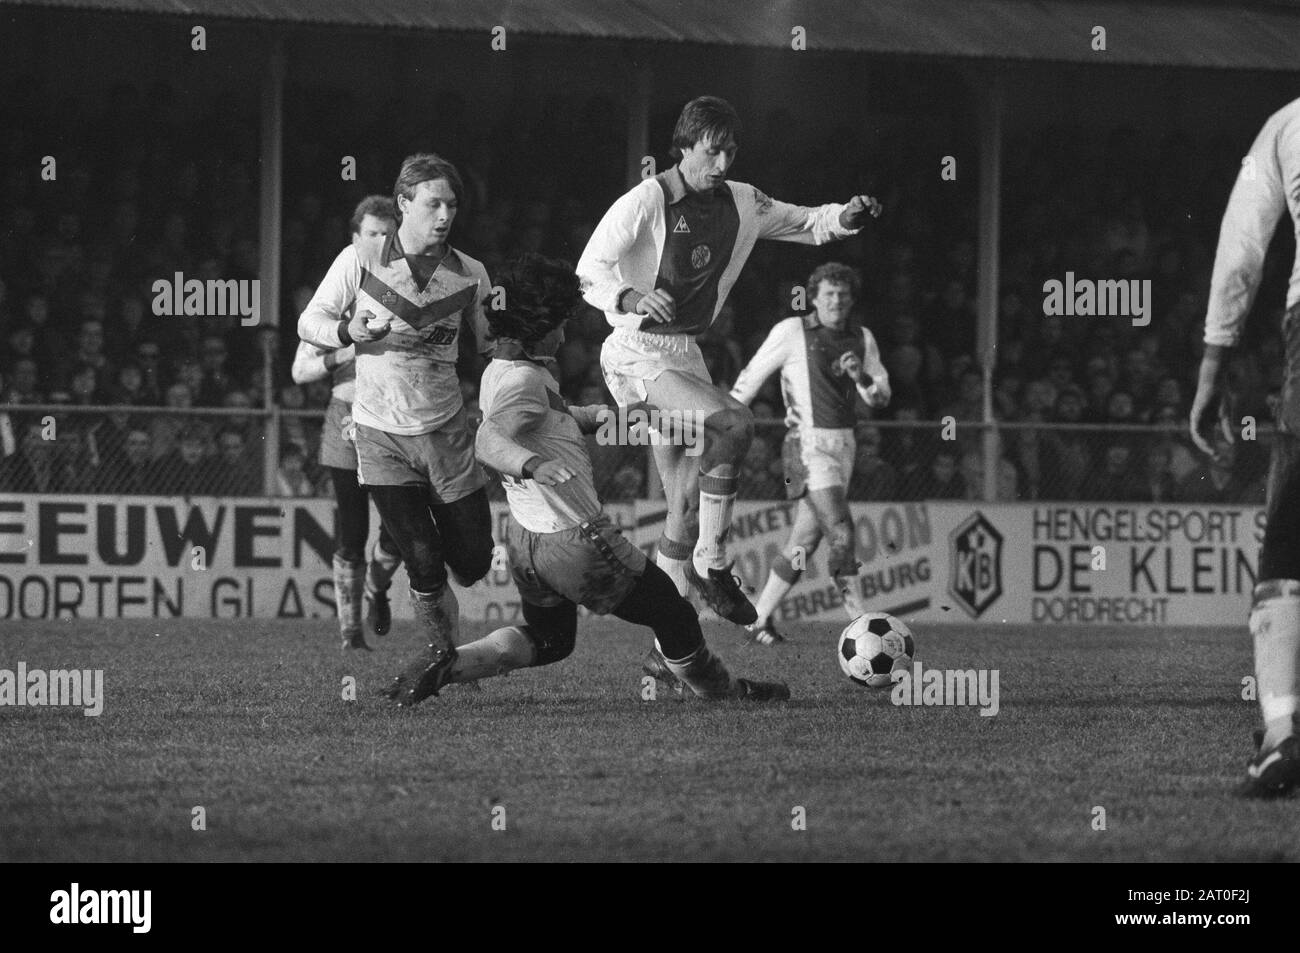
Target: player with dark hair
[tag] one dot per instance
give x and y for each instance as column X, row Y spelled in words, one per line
column 563, row 550
column 826, row 360
column 373, row 221
column 1267, row 187
column 414, row 450
column 660, row 265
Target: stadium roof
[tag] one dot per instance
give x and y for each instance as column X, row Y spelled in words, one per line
column 1252, row 35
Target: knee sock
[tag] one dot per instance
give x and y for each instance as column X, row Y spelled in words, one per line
column 348, row 581
column 717, row 497
column 780, row 580
column 671, row 556
column 437, row 614
column 1275, row 625
column 704, row 673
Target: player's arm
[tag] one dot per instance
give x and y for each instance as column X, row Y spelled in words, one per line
column 477, row 317
column 782, row 221
column 601, row 265
column 325, row 322
column 770, row 358
column 872, row 380
column 590, row 417
column 312, row 363
column 519, row 406
column 1257, row 202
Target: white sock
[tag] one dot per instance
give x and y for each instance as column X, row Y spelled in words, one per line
column 774, row 590
column 495, row 654
column 717, row 497
column 1275, row 624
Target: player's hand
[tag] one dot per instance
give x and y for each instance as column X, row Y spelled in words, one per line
column 659, row 305
column 552, row 472
column 1208, row 407
column 859, row 209
column 336, row 359
column 365, row 327
column 851, row 365
column 878, row 396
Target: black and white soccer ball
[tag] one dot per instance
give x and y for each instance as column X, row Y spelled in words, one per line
column 873, row 646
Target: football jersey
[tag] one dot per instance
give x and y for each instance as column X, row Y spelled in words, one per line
column 406, row 382
column 1268, row 186
column 816, row 390
column 525, row 416
column 693, row 244
column 343, row 377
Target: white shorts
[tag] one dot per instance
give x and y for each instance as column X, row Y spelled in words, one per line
column 629, row 358
column 827, row 456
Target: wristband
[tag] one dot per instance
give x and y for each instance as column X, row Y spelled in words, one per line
column 345, row 339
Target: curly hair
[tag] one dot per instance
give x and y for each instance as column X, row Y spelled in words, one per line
column 835, row 273
column 540, row 293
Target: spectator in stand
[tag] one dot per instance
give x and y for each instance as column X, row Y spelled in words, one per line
column 1157, row 483
column 188, row 470
column 22, row 384
column 940, row 481
column 216, row 380
column 148, row 353
column 89, row 352
column 1113, row 480
column 32, row 468
column 189, row 373
column 236, row 473
column 874, row 477
column 132, row 471
column 292, row 479
column 293, row 430
column 128, row 385
column 83, row 385
column 165, row 429
column 761, row 475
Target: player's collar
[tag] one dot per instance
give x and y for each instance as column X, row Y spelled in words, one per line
column 810, row 320
column 511, row 349
column 675, row 183
column 393, row 250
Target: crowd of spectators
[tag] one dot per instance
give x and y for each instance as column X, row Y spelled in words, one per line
column 142, row 194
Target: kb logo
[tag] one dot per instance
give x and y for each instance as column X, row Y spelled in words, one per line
column 975, row 578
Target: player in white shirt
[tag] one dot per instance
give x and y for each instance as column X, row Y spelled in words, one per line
column 827, row 360
column 415, row 453
column 354, row 577
column 563, row 550
column 1267, row 188
column 660, row 265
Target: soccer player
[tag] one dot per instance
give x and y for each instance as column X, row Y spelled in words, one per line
column 1267, row 188
column 826, row 359
column 563, row 550
column 414, row 451
column 373, row 221
column 660, row 265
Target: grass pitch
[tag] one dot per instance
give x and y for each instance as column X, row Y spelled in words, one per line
column 246, row 720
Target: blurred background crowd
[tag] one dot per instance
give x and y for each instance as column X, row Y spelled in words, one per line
column 146, row 189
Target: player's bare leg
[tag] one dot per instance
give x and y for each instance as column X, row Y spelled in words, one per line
column 787, row 568
column 727, row 431
column 679, row 475
column 832, row 508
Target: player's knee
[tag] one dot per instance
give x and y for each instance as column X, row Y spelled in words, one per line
column 552, row 642
column 426, row 571
column 350, row 550
column 731, row 427
column 468, row 568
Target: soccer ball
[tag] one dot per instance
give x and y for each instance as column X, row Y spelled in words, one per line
column 873, row 646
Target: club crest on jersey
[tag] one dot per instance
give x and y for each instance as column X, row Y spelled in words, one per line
column 700, row 256
column 681, row 228
column 388, row 298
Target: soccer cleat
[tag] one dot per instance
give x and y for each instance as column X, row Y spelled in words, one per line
column 722, row 593
column 426, row 676
column 755, row 691
column 379, row 615
column 656, row 666
column 1273, row 773
column 355, row 639
column 765, row 634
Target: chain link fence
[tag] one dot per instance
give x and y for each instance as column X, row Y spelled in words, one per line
column 52, row 449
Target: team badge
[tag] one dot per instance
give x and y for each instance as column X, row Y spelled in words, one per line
column 388, row 298
column 700, row 256
column 681, row 228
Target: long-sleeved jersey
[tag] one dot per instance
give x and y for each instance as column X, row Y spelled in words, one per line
column 406, row 382
column 816, row 390
column 662, row 235
column 1267, row 187
column 524, row 416
column 309, row 365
